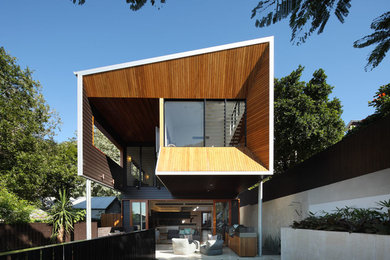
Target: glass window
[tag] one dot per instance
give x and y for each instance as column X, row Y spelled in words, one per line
column 210, row 123
column 184, row 123
column 214, row 121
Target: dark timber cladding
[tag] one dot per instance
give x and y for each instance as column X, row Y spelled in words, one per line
column 361, row 153
column 96, row 165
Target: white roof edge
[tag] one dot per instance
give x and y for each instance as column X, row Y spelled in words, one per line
column 175, row 56
column 210, row 173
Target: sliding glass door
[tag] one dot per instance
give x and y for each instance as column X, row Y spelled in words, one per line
column 139, row 215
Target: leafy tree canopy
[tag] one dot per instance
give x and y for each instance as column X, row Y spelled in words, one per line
column 13, row 209
column 309, row 16
column 306, row 120
column 32, row 165
column 381, row 103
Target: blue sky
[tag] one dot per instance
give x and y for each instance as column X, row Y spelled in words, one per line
column 56, row 38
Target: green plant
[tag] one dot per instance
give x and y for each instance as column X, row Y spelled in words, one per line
column 62, row 217
column 385, row 204
column 356, row 220
column 272, row 244
column 12, row 208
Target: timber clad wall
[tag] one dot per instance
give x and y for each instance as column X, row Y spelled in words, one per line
column 96, row 164
column 258, row 110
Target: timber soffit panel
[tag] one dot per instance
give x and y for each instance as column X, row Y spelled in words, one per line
column 219, row 75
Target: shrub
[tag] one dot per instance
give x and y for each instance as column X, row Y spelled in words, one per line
column 356, row 220
column 12, row 208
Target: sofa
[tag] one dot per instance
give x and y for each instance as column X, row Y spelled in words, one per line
column 212, row 247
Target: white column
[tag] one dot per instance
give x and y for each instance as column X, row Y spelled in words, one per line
column 88, row 206
column 259, row 219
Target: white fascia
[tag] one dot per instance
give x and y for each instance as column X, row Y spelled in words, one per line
column 271, row 105
column 269, row 39
column 79, row 125
column 210, row 173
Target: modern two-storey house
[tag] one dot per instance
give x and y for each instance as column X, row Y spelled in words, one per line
column 194, row 129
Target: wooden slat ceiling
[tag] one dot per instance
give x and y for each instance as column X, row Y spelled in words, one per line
column 207, row 159
column 133, row 119
column 222, row 74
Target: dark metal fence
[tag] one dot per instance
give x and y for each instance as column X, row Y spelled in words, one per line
column 26, row 235
column 134, row 245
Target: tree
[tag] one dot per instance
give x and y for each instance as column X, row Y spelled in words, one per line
column 13, row 209
column 25, row 126
column 381, row 37
column 32, row 165
column 62, row 217
column 306, row 121
column 381, row 103
column 314, row 15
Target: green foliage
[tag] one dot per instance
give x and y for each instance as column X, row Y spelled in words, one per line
column 272, row 244
column 303, row 12
column 13, row 209
column 106, row 146
column 32, row 165
column 306, row 121
column 380, row 37
column 381, row 103
column 348, row 219
column 309, row 16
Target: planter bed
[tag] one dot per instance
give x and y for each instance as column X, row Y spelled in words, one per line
column 317, row 244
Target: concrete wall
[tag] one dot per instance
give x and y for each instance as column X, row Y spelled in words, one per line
column 302, row 244
column 361, row 192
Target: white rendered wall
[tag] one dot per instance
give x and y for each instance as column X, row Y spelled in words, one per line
column 362, row 192
column 302, row 244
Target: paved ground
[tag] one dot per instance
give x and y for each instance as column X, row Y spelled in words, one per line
column 164, row 251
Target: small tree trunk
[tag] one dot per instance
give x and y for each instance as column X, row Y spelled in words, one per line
column 61, row 234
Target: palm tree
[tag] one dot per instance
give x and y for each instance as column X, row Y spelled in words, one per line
column 61, row 217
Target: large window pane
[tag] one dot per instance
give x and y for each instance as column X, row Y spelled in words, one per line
column 184, row 123
column 235, row 123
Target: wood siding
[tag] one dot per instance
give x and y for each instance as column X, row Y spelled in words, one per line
column 258, row 110
column 221, row 74
column 96, row 164
column 207, row 159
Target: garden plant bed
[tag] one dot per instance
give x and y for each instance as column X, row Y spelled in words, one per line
column 319, row 244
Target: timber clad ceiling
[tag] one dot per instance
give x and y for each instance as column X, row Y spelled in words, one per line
column 222, row 74
column 133, row 119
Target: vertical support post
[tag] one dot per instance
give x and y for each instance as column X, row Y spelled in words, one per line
column 88, row 206
column 259, row 219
